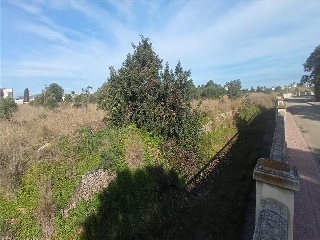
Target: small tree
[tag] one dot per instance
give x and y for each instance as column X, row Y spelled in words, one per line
column 26, row 96
column 38, row 100
column 7, row 108
column 50, row 101
column 278, row 89
column 68, row 98
column 83, row 99
column 48, row 97
column 153, row 98
column 234, row 89
column 212, row 90
column 56, row 90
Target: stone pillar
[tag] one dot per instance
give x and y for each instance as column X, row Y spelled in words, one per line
column 279, row 101
column 277, row 181
column 282, row 108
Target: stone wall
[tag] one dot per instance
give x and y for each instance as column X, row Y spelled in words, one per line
column 92, row 182
column 276, row 182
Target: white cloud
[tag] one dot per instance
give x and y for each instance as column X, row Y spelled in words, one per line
column 30, row 8
column 46, row 33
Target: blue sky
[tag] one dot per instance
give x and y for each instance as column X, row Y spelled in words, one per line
column 73, row 42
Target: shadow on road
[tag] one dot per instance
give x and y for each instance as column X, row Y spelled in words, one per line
column 304, row 110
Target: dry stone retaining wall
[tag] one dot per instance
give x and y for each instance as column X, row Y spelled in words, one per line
column 92, row 182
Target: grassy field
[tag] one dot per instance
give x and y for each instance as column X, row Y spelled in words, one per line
column 46, row 153
column 30, row 129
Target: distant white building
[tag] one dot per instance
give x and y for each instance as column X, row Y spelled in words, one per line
column 19, row 101
column 6, row 92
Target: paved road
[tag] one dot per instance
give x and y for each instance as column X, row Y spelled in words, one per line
column 306, row 114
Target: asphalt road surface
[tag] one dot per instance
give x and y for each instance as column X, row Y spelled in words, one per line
column 306, row 114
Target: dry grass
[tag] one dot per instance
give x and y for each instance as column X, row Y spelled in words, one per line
column 216, row 106
column 263, row 100
column 32, row 127
column 62, row 121
column 133, row 153
column 222, row 111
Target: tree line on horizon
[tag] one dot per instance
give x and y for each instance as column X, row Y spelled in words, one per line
column 54, row 93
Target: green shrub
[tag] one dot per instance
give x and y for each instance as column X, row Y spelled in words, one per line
column 153, row 98
column 68, row 98
column 49, row 97
column 246, row 111
column 7, row 107
column 50, row 101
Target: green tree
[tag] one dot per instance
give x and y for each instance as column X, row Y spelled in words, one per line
column 48, row 97
column 134, row 88
column 38, row 100
column 50, row 100
column 84, row 98
column 102, row 96
column 153, row 98
column 56, row 90
column 26, row 96
column 259, row 89
column 234, row 89
column 278, row 89
column 7, row 108
column 68, row 98
column 267, row 90
column 312, row 65
column 193, row 90
column 212, row 90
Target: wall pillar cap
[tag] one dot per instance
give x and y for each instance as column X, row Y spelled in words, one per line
column 282, row 106
column 277, row 173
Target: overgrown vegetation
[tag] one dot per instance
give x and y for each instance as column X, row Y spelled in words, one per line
column 49, row 97
column 30, row 129
column 83, row 99
column 7, row 108
column 151, row 204
column 153, row 98
column 44, row 181
column 156, row 139
column 219, row 211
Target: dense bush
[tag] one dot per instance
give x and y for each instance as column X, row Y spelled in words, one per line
column 211, row 90
column 68, row 98
column 234, row 89
column 7, row 107
column 83, row 99
column 49, row 97
column 154, row 98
